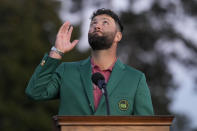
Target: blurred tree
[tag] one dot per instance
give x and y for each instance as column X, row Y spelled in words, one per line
column 139, row 48
column 139, row 41
column 27, row 31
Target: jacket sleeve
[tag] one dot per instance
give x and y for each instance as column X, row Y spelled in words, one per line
column 45, row 81
column 143, row 102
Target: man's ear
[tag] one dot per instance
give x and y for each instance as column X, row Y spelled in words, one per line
column 118, row 36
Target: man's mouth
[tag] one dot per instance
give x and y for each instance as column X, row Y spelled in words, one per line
column 97, row 32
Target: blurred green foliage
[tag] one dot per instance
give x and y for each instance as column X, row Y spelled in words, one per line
column 27, row 31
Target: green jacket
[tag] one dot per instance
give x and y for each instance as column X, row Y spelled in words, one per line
column 71, row 83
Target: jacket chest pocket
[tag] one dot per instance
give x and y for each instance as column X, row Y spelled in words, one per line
column 121, row 105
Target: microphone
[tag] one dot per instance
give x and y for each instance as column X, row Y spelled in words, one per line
column 99, row 80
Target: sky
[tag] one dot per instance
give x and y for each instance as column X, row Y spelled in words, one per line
column 183, row 97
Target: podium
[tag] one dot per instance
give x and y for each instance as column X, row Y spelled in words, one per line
column 112, row 123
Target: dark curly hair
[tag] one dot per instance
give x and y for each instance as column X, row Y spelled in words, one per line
column 109, row 13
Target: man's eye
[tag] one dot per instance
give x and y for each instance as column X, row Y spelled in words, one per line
column 105, row 22
column 93, row 23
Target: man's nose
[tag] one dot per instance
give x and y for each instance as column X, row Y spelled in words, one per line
column 97, row 26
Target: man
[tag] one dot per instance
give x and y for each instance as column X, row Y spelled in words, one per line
column 71, row 81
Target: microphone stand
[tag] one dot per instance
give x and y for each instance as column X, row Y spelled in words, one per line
column 106, row 98
column 104, row 90
column 99, row 80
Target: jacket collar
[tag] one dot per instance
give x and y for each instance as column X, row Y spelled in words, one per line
column 115, row 77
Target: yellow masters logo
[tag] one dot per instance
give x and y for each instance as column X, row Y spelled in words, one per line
column 123, row 105
column 42, row 62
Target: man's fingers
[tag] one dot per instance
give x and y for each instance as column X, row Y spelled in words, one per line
column 66, row 27
column 74, row 43
column 63, row 27
column 70, row 32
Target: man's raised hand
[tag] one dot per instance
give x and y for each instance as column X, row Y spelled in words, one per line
column 62, row 42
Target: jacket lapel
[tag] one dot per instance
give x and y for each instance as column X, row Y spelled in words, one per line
column 85, row 72
column 115, row 77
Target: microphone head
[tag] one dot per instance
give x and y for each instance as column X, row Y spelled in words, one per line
column 96, row 77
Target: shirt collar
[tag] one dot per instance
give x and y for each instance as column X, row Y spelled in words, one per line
column 94, row 66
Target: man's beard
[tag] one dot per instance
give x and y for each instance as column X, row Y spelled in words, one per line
column 101, row 42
